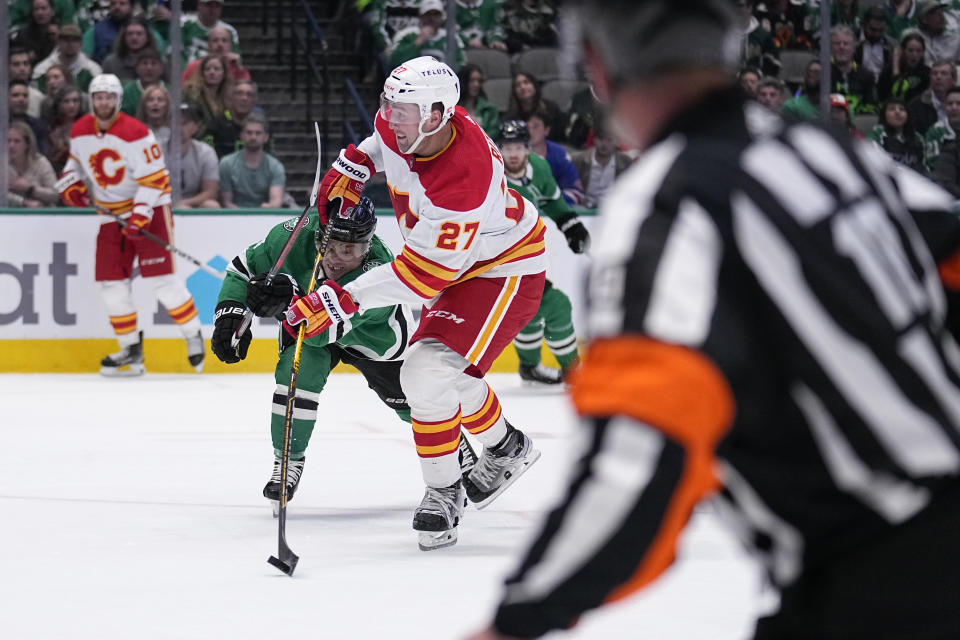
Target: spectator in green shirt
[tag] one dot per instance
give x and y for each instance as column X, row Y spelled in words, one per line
column 429, row 40
column 20, row 11
column 196, row 30
column 806, row 105
column 252, row 178
column 150, row 69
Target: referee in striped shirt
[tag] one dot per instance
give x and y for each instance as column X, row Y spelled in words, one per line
column 770, row 320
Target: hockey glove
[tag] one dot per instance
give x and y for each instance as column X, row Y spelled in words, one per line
column 329, row 307
column 135, row 221
column 72, row 190
column 578, row 238
column 226, row 320
column 344, row 181
column 269, row 300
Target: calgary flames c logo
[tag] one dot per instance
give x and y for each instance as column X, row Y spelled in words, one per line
column 401, row 207
column 107, row 175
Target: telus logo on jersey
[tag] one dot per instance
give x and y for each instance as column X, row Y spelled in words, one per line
column 446, row 315
column 104, row 175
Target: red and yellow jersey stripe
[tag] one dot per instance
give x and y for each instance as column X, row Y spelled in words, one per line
column 124, row 324
column 159, row 180
column 121, row 206
column 486, row 416
column 434, row 439
column 422, row 275
column 530, row 245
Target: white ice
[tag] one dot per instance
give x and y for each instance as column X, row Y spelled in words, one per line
column 132, row 509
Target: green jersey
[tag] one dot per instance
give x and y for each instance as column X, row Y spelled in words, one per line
column 480, row 20
column 407, row 49
column 933, row 142
column 194, row 38
column 376, row 334
column 540, row 187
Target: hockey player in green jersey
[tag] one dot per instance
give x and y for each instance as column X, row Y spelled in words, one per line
column 530, row 175
column 375, row 344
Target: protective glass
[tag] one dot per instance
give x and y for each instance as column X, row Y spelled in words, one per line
column 398, row 112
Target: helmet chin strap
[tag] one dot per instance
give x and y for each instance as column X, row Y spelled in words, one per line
column 423, row 134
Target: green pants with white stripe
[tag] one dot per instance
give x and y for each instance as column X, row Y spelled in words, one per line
column 553, row 322
column 316, row 363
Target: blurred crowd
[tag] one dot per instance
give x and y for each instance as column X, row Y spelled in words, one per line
column 893, row 73
column 58, row 46
column 893, row 80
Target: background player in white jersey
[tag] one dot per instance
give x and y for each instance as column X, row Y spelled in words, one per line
column 473, row 255
column 121, row 160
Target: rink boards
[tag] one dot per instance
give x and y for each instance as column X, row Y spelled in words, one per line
column 52, row 319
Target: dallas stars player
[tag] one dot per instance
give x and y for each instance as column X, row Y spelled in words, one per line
column 530, row 175
column 375, row 345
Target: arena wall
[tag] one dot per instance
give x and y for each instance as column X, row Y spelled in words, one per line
column 52, row 319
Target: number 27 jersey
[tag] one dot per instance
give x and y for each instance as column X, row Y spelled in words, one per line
column 457, row 215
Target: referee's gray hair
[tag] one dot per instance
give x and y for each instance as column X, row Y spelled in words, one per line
column 640, row 39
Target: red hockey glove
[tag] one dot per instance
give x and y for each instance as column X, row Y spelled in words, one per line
column 344, row 180
column 329, row 307
column 136, row 220
column 72, row 190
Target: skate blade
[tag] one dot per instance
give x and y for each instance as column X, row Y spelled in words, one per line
column 532, row 457
column 433, row 540
column 275, row 506
column 541, row 384
column 126, row 371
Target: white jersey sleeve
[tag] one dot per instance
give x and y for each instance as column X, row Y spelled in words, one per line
column 457, row 216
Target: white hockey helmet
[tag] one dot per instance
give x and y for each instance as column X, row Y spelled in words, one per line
column 107, row 83
column 424, row 82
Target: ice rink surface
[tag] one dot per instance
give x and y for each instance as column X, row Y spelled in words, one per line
column 132, row 509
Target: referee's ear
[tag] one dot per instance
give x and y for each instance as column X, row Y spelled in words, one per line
column 597, row 72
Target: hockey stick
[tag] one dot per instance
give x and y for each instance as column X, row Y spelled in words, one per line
column 275, row 269
column 163, row 243
column 286, row 559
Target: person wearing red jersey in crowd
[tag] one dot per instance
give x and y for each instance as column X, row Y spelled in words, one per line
column 120, row 158
column 473, row 255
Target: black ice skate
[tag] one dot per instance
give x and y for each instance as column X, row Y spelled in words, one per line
column 271, row 491
column 466, row 455
column 195, row 351
column 499, row 467
column 438, row 515
column 540, row 374
column 126, row 362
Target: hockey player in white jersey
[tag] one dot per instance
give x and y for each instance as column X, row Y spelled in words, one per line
column 120, row 159
column 473, row 255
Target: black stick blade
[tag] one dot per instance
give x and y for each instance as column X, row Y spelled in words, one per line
column 288, row 566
